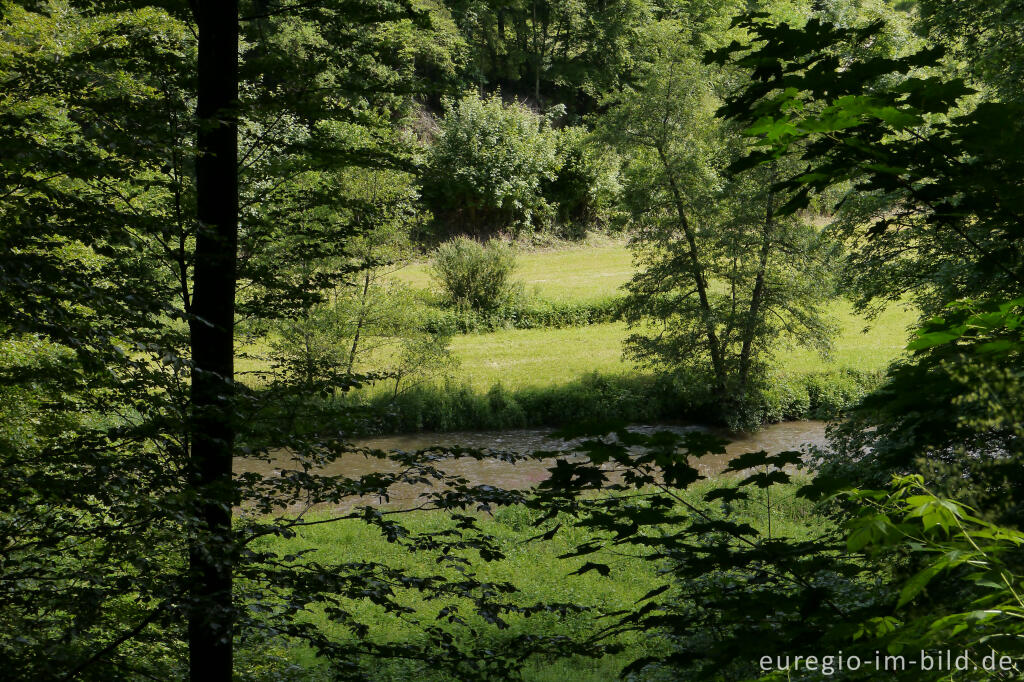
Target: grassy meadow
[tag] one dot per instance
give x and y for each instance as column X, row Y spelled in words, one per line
column 574, row 273
column 534, row 568
column 516, row 377
column 518, row 358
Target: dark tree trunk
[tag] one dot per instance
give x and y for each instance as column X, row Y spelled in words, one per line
column 699, row 278
column 360, row 321
column 211, row 551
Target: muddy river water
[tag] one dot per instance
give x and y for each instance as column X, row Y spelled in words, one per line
column 773, row 438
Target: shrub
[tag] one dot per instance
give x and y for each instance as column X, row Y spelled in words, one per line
column 486, row 167
column 474, row 276
column 524, row 313
column 586, row 186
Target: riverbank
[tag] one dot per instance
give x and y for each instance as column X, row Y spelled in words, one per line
column 594, row 397
column 555, row 375
column 539, row 571
column 602, row 397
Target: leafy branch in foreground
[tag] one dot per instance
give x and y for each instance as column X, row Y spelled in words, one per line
column 739, row 583
column 941, row 172
column 945, row 537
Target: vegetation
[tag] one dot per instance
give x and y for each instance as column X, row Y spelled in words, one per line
column 540, row 574
column 234, row 234
column 565, row 273
column 546, row 355
column 496, row 167
column 549, row 363
column 476, row 276
column 370, row 317
column 696, row 225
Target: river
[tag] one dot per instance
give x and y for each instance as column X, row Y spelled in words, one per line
column 773, row 438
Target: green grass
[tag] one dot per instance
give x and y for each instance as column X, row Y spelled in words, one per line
column 540, row 369
column 860, row 345
column 560, row 275
column 543, row 357
column 519, row 358
column 534, row 568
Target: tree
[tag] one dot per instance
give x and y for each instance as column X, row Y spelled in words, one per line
column 211, row 320
column 487, row 167
column 913, row 569
column 984, row 41
column 370, row 328
column 121, row 287
column 88, row 270
column 542, row 48
column 723, row 275
column 947, row 160
column 895, row 127
column 913, row 153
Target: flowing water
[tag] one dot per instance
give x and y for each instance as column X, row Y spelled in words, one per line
column 492, row 471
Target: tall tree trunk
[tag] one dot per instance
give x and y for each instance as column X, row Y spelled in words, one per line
column 360, row 321
column 211, row 325
column 700, row 281
column 757, row 296
column 538, row 56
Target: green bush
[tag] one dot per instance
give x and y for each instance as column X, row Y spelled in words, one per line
column 821, row 395
column 524, row 313
column 785, row 398
column 486, row 168
column 474, row 276
column 586, row 187
column 501, row 167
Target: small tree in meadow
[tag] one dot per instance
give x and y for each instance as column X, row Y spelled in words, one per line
column 371, row 319
column 724, row 276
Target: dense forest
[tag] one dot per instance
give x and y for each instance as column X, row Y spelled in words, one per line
column 445, row 340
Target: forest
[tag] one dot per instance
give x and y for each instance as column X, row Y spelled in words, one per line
column 511, row 340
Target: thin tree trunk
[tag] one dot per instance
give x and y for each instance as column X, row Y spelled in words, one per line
column 756, row 297
column 211, row 325
column 714, row 346
column 538, row 59
column 360, row 321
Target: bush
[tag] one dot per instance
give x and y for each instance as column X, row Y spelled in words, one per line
column 586, row 187
column 501, row 167
column 524, row 313
column 474, row 276
column 486, row 168
column 818, row 395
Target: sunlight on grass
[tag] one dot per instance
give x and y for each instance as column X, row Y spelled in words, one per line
column 543, row 357
column 520, row 358
column 860, row 344
column 540, row 357
column 580, row 274
column 536, row 570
